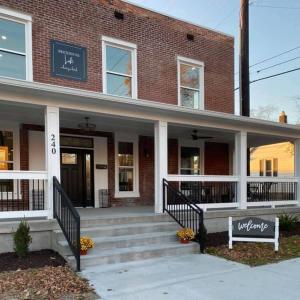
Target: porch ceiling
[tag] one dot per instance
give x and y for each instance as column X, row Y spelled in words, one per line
column 81, row 100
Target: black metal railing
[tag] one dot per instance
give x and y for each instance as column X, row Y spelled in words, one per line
column 211, row 192
column 67, row 218
column 22, row 194
column 271, row 191
column 184, row 211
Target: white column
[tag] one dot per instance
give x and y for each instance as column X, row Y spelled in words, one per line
column 52, row 149
column 240, row 167
column 297, row 166
column 161, row 161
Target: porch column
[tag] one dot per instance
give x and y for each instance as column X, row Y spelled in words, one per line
column 52, row 149
column 241, row 167
column 297, row 166
column 161, row 161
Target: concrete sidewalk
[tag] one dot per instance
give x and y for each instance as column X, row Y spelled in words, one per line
column 195, row 276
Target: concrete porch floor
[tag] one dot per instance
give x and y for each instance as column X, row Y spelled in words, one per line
column 103, row 213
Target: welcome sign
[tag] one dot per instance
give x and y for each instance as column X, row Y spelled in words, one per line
column 68, row 61
column 254, row 229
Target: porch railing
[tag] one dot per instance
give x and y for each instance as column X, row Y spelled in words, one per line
column 23, row 194
column 271, row 191
column 67, row 218
column 186, row 213
column 208, row 191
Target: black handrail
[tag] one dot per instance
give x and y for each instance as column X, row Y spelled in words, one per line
column 67, row 218
column 184, row 211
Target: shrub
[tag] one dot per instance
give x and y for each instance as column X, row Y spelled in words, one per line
column 287, row 222
column 186, row 233
column 22, row 239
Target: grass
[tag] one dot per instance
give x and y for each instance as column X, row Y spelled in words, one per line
column 256, row 254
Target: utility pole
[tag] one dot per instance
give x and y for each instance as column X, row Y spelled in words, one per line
column 244, row 59
column 244, row 67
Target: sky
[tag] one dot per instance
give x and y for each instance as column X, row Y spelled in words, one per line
column 273, row 30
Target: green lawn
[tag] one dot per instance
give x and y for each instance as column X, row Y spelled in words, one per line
column 255, row 254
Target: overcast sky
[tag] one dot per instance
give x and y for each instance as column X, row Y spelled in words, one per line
column 273, row 30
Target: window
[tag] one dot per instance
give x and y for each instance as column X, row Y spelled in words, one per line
column 126, row 168
column 190, row 83
column 119, row 68
column 6, row 159
column 190, row 161
column 268, row 167
column 15, row 45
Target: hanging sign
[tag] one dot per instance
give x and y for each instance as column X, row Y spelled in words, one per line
column 254, row 229
column 68, row 61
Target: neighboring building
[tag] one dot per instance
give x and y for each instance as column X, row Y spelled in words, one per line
column 111, row 99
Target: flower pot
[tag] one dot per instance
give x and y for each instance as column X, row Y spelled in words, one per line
column 83, row 252
column 184, row 241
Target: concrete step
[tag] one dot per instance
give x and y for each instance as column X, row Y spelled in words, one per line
column 119, row 255
column 123, row 229
column 125, row 241
column 115, row 220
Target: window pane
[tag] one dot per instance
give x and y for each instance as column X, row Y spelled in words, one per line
column 69, row 158
column 190, row 160
column 189, row 98
column 275, row 167
column 125, row 154
column 268, row 168
column 6, row 150
column 261, row 168
column 189, row 76
column 125, row 180
column 12, row 65
column 118, row 85
column 118, row 60
column 12, row 35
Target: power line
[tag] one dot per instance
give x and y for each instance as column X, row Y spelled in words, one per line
column 272, row 57
column 278, row 7
column 281, row 63
column 271, row 76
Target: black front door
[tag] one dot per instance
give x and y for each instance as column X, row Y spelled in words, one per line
column 77, row 176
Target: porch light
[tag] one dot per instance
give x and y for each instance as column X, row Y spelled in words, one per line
column 87, row 126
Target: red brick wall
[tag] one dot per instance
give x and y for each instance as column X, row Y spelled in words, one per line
column 24, row 165
column 216, row 159
column 159, row 40
column 173, row 156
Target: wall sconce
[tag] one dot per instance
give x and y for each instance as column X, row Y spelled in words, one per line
column 146, row 153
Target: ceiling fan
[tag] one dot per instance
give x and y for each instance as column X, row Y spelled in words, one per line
column 196, row 137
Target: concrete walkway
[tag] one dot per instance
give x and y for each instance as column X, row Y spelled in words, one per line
column 195, row 276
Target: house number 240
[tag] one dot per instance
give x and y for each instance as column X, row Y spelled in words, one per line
column 53, row 144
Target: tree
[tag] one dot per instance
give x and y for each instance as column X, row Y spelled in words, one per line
column 268, row 112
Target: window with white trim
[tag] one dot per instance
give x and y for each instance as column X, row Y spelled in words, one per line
column 126, row 168
column 190, row 83
column 268, row 167
column 15, row 45
column 119, row 68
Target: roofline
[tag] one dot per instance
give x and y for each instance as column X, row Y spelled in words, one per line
column 55, row 90
column 179, row 19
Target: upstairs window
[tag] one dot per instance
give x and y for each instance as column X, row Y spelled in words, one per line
column 190, row 83
column 15, row 45
column 119, row 68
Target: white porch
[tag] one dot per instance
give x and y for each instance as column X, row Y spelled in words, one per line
column 160, row 121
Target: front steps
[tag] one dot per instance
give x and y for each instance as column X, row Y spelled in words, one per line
column 125, row 239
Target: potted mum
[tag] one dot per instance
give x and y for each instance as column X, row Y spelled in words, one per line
column 86, row 243
column 185, row 235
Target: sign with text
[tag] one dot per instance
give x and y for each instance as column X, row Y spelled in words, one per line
column 68, row 61
column 253, row 229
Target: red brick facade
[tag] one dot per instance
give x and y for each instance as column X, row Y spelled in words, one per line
column 159, row 39
column 216, row 159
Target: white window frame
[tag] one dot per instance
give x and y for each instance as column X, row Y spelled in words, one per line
column 127, row 139
column 265, row 167
column 193, row 63
column 108, row 41
column 27, row 21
